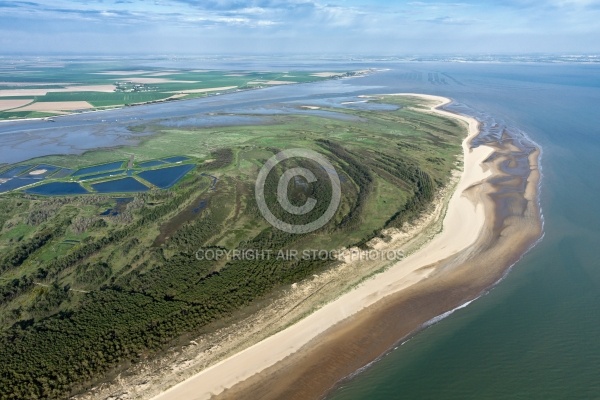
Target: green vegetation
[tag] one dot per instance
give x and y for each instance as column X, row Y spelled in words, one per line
column 83, row 295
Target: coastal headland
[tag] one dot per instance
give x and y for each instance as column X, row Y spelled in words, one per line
column 491, row 220
column 457, row 212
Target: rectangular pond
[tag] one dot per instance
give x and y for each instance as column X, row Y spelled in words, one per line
column 99, row 168
column 150, row 164
column 40, row 171
column 102, row 175
column 12, row 172
column 164, row 178
column 15, row 184
column 63, row 173
column 58, row 189
column 124, row 185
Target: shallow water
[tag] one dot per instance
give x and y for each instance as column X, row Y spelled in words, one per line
column 74, row 134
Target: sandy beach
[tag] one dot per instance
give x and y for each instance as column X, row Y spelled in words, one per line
column 283, row 361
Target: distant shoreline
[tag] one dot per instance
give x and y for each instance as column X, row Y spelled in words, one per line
column 357, row 74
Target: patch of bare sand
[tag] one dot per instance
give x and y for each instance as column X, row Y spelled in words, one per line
column 10, row 104
column 52, row 106
column 38, row 172
column 279, row 82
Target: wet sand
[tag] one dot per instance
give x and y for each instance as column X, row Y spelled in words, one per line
column 492, row 220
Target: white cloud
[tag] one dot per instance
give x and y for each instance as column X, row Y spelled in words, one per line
column 370, row 25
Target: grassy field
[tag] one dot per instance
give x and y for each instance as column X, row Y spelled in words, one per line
column 88, row 293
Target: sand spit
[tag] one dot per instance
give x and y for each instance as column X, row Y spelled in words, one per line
column 276, row 367
column 511, row 225
column 252, row 357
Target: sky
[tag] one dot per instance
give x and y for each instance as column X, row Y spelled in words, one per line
column 299, row 27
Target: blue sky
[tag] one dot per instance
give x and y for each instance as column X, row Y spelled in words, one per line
column 299, row 26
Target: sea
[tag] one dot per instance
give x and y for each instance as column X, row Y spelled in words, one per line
column 536, row 334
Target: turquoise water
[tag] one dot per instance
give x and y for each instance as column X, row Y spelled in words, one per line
column 537, row 334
